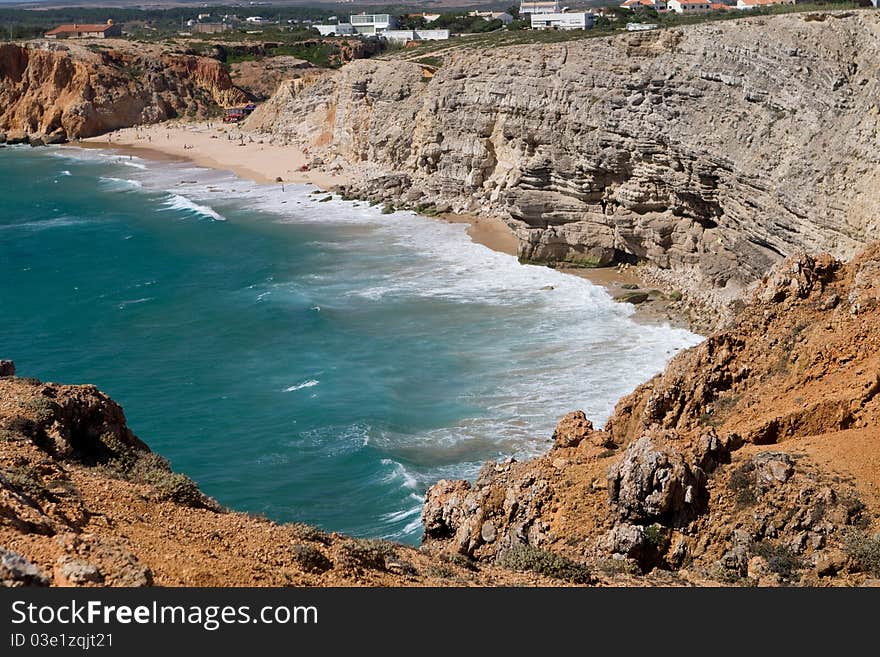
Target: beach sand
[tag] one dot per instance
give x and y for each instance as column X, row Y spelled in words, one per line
column 220, row 146
column 227, row 147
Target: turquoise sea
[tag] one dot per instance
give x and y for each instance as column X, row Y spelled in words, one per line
column 313, row 361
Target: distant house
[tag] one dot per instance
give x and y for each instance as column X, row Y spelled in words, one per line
column 429, row 18
column 576, row 20
column 373, row 23
column 689, row 6
column 209, row 28
column 745, row 5
column 657, row 5
column 538, row 7
column 258, row 20
column 335, row 29
column 85, row 31
column 502, row 16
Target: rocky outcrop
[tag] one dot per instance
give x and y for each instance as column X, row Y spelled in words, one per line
column 711, row 150
column 83, row 502
column 55, row 91
column 751, row 458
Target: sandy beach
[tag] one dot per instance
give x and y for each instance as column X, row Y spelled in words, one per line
column 250, row 156
column 217, row 145
column 221, row 146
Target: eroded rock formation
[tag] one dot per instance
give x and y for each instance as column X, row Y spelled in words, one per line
column 66, row 91
column 712, row 151
column 752, row 457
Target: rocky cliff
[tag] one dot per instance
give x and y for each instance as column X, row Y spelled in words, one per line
column 711, row 151
column 81, row 90
column 752, row 459
column 83, row 502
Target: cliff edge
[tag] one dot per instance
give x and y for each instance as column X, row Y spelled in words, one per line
column 58, row 91
column 754, row 458
column 711, row 151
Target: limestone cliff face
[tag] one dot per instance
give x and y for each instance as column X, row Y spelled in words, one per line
column 711, row 150
column 82, row 92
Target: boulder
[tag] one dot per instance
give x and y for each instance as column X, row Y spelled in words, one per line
column 16, row 570
column 571, row 430
column 16, row 137
column 654, row 483
column 443, row 512
column 56, row 137
column 772, row 469
column 70, row 571
column 7, row 368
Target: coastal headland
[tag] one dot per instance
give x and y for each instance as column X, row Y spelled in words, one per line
column 732, row 165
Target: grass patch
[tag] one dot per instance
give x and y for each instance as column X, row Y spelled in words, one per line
column 742, row 485
column 155, row 471
column 780, row 559
column 310, row 558
column 366, row 553
column 526, row 558
column 26, row 481
column 864, row 550
column 305, row 532
column 434, row 62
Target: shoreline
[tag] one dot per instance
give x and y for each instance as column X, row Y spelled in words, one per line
column 228, row 147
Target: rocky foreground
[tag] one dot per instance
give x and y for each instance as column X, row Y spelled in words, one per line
column 754, row 459
column 710, row 151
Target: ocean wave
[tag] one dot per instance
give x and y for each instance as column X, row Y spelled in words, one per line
column 134, row 302
column 46, row 224
column 120, row 183
column 306, row 384
column 183, row 204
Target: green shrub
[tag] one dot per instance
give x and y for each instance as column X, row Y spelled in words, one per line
column 864, row 550
column 366, row 553
column 306, row 532
column 26, row 481
column 741, row 483
column 155, row 471
column 780, row 559
column 310, row 558
column 526, row 558
column 387, row 208
column 657, row 537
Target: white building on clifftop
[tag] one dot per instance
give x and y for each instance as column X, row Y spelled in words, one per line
column 538, row 7
column 578, row 20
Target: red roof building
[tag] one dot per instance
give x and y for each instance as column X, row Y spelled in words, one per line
column 85, row 31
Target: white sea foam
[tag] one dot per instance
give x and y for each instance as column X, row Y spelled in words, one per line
column 299, row 386
column 65, row 172
column 550, row 351
column 46, row 224
column 183, row 204
column 121, row 183
column 134, row 302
